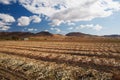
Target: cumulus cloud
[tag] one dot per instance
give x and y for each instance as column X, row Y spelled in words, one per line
column 71, row 28
column 6, row 18
column 32, row 29
column 66, row 11
column 25, row 21
column 6, row 2
column 88, row 26
column 46, row 7
column 5, row 21
column 63, row 11
column 55, row 22
column 71, row 23
column 46, row 30
column 35, row 19
column 4, row 28
column 55, row 29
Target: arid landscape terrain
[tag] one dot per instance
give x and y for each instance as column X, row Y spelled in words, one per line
column 59, row 39
column 60, row 57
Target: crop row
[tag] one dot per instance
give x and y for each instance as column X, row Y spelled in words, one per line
column 30, row 69
column 84, row 60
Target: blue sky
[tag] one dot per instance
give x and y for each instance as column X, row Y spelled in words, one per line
column 60, row 16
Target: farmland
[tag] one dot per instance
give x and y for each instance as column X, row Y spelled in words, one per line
column 60, row 60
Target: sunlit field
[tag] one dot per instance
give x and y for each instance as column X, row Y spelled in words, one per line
column 48, row 60
column 59, row 39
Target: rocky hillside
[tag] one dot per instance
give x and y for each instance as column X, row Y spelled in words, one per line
column 44, row 33
column 114, row 36
column 78, row 34
column 14, row 35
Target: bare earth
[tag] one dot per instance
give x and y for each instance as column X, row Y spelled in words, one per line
column 47, row 60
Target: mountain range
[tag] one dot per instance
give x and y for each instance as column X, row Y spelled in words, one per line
column 20, row 35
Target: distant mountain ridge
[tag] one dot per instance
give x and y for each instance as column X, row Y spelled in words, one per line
column 21, row 35
column 115, row 35
column 14, row 35
column 44, row 33
column 78, row 34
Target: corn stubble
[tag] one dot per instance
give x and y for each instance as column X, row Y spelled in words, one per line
column 31, row 60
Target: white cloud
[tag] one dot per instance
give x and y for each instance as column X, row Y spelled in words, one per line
column 55, row 29
column 5, row 21
column 66, row 11
column 55, row 22
column 89, row 26
column 25, row 21
column 4, row 28
column 6, row 2
column 63, row 11
column 71, row 28
column 6, row 18
column 46, row 30
column 35, row 19
column 71, row 24
column 32, row 29
column 46, row 7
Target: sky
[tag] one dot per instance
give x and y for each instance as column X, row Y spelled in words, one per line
column 98, row 17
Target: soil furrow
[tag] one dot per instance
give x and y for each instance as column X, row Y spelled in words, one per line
column 11, row 74
column 105, row 68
